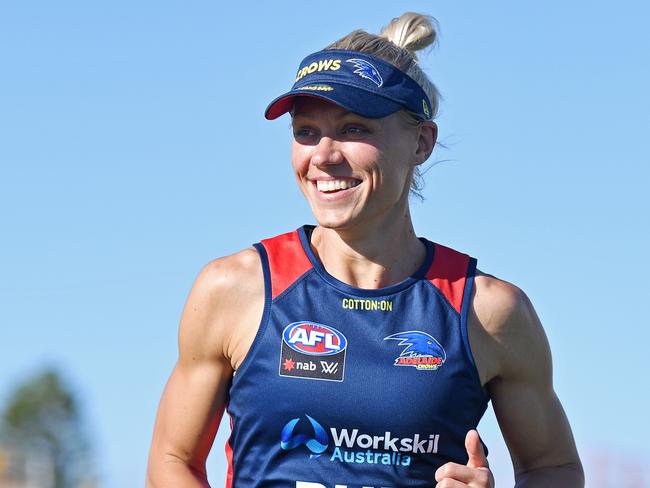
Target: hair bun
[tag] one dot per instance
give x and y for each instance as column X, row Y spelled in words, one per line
column 411, row 31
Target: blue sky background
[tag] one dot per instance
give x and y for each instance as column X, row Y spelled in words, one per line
column 133, row 150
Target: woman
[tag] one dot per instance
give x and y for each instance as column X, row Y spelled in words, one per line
column 353, row 353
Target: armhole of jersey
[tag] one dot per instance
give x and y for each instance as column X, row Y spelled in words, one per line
column 265, row 313
column 447, row 274
column 286, row 261
column 229, row 457
column 464, row 313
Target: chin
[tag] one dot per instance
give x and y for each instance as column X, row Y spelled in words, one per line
column 334, row 220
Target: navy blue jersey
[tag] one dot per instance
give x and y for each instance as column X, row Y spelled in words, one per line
column 351, row 388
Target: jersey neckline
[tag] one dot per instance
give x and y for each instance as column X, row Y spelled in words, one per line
column 304, row 233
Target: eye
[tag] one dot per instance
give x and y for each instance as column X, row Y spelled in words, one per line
column 355, row 131
column 303, row 132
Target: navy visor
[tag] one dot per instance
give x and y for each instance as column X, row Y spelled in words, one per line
column 359, row 82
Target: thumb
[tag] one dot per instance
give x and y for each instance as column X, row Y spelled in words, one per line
column 477, row 458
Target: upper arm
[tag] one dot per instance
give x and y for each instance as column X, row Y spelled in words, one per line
column 529, row 412
column 193, row 400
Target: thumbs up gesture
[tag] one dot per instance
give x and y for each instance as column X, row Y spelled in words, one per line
column 476, row 474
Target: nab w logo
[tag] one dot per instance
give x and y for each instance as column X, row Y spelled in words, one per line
column 329, row 368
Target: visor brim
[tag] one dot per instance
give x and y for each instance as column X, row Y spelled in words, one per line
column 356, row 100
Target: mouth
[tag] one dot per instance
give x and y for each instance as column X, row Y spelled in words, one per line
column 335, row 185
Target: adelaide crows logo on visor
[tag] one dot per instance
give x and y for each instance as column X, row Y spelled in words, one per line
column 366, row 70
column 422, row 351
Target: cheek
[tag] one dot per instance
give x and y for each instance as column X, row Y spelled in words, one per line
column 299, row 159
column 396, row 178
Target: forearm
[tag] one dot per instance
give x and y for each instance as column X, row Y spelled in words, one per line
column 174, row 473
column 566, row 476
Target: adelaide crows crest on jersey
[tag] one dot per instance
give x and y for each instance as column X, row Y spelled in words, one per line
column 350, row 388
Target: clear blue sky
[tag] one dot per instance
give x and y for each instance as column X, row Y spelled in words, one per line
column 133, row 150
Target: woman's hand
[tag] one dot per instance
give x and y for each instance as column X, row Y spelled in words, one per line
column 476, row 474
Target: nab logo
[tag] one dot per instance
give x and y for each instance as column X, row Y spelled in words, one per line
column 312, row 350
column 314, row 339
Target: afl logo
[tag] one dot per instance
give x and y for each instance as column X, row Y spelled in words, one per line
column 314, row 339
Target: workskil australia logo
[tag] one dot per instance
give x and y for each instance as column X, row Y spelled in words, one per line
column 351, row 446
column 422, row 351
column 316, row 444
column 312, row 350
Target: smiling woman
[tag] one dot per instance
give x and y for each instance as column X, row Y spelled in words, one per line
column 352, row 352
column 355, row 171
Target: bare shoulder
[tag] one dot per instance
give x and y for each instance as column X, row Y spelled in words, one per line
column 507, row 330
column 496, row 302
column 232, row 275
column 225, row 301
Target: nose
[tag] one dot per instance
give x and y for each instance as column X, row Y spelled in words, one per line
column 326, row 152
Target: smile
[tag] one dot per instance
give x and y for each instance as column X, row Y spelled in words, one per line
column 327, row 186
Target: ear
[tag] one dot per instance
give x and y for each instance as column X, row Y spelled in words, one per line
column 427, row 136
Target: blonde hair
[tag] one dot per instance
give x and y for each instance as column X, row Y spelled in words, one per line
column 398, row 43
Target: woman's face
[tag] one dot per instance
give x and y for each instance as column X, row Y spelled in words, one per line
column 353, row 170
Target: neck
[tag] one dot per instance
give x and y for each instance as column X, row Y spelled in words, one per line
column 378, row 256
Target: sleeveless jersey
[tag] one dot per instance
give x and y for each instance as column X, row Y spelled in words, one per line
column 354, row 388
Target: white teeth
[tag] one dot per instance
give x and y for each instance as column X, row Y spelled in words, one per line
column 333, row 185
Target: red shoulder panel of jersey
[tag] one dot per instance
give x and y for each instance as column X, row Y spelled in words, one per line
column 287, row 261
column 448, row 273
